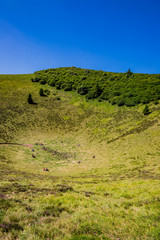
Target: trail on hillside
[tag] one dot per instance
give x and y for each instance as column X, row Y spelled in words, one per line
column 26, row 145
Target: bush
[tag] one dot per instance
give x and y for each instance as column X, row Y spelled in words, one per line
column 95, row 92
column 43, row 81
column 67, row 87
column 47, row 92
column 58, row 85
column 105, row 94
column 132, row 101
column 83, row 90
column 30, row 100
column 120, row 101
column 145, row 99
column 156, row 102
column 113, row 101
column 36, row 79
column 58, row 98
column 52, row 82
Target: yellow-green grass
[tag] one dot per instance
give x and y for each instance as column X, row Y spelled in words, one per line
column 103, row 161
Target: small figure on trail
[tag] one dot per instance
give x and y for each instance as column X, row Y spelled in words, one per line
column 32, row 150
column 94, row 156
column 79, row 161
column 45, row 169
column 33, row 156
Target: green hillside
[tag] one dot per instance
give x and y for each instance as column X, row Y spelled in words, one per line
column 103, row 159
column 127, row 88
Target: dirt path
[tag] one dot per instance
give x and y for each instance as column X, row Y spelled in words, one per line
column 26, row 145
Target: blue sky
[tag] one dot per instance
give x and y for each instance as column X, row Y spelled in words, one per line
column 111, row 35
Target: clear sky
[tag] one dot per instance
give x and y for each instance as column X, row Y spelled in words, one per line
column 111, row 35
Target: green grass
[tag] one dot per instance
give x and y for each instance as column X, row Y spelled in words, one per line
column 104, row 166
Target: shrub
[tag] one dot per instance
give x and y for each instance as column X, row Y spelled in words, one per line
column 156, row 102
column 132, row 101
column 145, row 99
column 67, row 86
column 58, row 98
column 58, row 85
column 113, row 101
column 52, row 82
column 94, row 92
column 36, row 79
column 30, row 100
column 43, row 81
column 105, row 94
column 120, row 101
column 83, row 89
column 47, row 92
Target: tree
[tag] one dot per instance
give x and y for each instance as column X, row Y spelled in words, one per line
column 146, row 110
column 30, row 100
column 41, row 93
column 129, row 73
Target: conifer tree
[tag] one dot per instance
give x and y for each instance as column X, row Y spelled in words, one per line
column 30, row 100
column 41, row 92
column 146, row 110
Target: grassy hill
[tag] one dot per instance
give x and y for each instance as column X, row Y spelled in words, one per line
column 127, row 88
column 103, row 161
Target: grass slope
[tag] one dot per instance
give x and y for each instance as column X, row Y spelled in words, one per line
column 103, row 159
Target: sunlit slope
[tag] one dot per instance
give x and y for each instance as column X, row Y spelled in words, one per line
column 103, row 159
column 69, row 114
column 109, row 132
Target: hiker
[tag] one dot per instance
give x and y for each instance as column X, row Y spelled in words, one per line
column 45, row 169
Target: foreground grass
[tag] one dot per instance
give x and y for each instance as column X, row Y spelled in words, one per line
column 41, row 205
column 104, row 167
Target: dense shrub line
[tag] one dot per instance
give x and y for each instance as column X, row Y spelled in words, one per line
column 127, row 88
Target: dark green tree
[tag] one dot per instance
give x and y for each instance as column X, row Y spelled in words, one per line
column 30, row 100
column 41, row 92
column 129, row 73
column 146, row 110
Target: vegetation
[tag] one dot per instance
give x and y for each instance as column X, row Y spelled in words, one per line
column 103, row 161
column 146, row 110
column 127, row 88
column 30, row 100
column 41, row 92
